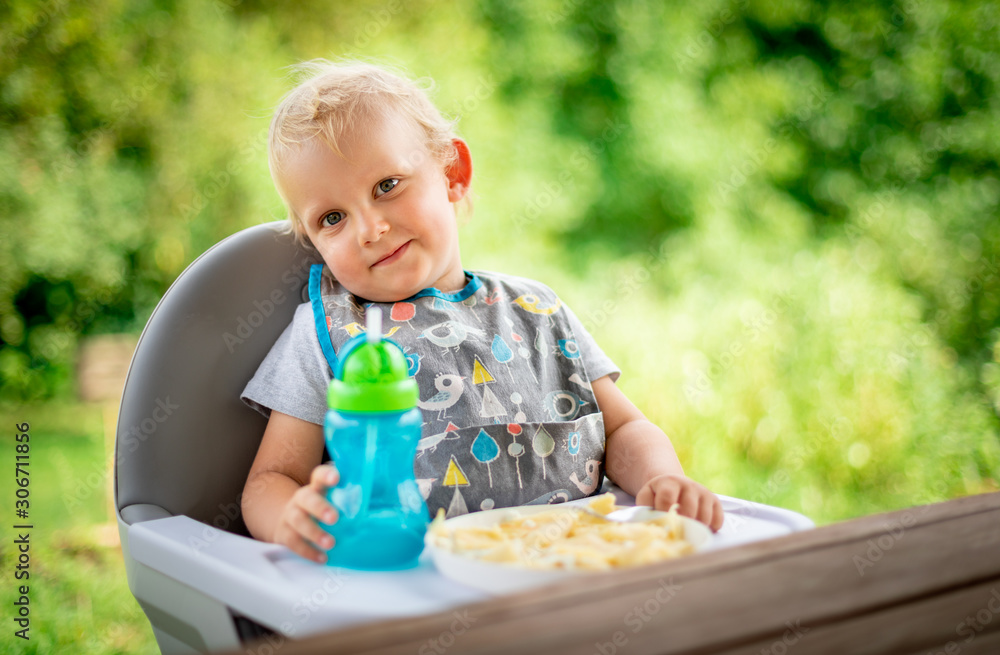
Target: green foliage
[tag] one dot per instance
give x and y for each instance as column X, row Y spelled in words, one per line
column 827, row 166
column 127, row 147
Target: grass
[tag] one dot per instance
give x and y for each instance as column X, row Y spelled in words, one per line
column 79, row 597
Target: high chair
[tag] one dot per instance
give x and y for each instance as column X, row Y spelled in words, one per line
column 185, row 443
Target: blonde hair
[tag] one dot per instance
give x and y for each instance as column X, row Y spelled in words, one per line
column 336, row 99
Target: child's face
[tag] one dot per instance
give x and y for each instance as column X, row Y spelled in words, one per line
column 382, row 216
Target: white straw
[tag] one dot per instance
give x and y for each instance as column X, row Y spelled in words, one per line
column 373, row 325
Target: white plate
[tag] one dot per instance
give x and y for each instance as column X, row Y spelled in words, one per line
column 502, row 578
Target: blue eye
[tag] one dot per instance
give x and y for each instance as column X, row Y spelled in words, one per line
column 331, row 219
column 385, row 186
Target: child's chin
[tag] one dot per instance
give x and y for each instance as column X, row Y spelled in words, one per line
column 386, row 295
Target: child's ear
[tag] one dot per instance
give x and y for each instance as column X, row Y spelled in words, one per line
column 459, row 174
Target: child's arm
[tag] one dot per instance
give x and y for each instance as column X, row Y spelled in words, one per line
column 284, row 493
column 641, row 460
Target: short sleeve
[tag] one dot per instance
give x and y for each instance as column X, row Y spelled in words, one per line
column 598, row 364
column 294, row 376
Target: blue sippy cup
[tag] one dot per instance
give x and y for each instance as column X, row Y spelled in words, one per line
column 372, row 429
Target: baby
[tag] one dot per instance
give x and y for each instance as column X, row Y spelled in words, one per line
column 520, row 404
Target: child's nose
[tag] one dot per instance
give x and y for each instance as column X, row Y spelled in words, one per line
column 373, row 227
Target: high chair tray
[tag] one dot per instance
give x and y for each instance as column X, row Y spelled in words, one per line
column 276, row 588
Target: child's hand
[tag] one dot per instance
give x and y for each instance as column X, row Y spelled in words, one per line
column 297, row 525
column 694, row 500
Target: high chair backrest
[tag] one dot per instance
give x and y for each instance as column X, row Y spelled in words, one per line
column 185, row 442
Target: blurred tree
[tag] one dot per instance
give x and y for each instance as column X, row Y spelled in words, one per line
column 578, row 56
column 126, row 148
column 872, row 119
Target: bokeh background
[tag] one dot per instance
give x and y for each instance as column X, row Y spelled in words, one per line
column 780, row 218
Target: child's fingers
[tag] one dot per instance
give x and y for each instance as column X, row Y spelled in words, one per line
column 645, row 496
column 312, row 498
column 718, row 514
column 706, row 510
column 659, row 493
column 692, row 500
column 306, row 527
column 688, row 503
column 709, row 509
column 302, row 547
column 323, row 477
column 316, row 505
column 667, row 496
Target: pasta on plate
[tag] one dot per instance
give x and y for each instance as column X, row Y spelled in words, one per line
column 567, row 538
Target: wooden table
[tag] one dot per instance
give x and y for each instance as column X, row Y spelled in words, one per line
column 920, row 580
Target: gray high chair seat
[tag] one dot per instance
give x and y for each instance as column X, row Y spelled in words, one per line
column 185, row 442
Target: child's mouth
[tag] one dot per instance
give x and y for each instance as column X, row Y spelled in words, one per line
column 393, row 256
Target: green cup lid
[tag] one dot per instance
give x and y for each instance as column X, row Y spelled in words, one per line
column 372, row 373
